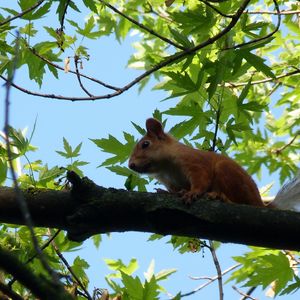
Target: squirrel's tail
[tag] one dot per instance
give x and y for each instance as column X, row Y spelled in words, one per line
column 288, row 197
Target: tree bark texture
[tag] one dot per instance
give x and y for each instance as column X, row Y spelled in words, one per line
column 88, row 209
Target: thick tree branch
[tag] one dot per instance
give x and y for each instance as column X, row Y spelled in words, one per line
column 89, row 209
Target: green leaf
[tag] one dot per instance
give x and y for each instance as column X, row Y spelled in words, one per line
column 151, row 289
column 257, row 62
column 69, row 152
column 91, row 5
column 139, row 129
column 47, row 175
column 3, row 170
column 244, row 92
column 97, row 239
column 133, row 286
column 181, row 38
column 164, row 274
column 262, row 267
column 292, row 288
column 20, row 142
column 120, row 151
column 118, row 265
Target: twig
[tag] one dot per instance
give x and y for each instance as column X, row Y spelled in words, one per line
column 218, row 268
column 21, row 14
column 21, row 201
column 43, row 289
column 166, row 62
column 78, row 281
column 265, row 12
column 210, row 280
column 264, row 37
column 245, row 295
column 73, row 72
column 216, row 9
column 135, row 81
column 76, row 59
column 235, row 85
column 11, row 282
column 143, row 27
column 279, row 150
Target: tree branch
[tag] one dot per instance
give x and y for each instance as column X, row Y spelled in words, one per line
column 43, row 289
column 143, row 27
column 89, row 209
column 21, row 14
column 167, row 61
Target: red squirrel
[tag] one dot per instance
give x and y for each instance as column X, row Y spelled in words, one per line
column 191, row 172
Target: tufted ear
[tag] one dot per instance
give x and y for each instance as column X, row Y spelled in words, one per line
column 154, row 128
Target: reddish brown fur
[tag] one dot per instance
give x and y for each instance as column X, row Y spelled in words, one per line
column 189, row 171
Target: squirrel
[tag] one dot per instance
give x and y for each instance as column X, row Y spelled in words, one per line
column 191, row 172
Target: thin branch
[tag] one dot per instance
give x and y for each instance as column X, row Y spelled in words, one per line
column 123, row 89
column 235, row 85
column 62, row 21
column 279, row 150
column 216, row 9
column 169, row 60
column 73, row 72
column 143, row 27
column 210, row 280
column 266, row 12
column 245, row 295
column 218, row 268
column 76, row 59
column 21, row 201
column 21, row 14
column 264, row 37
column 78, row 281
column 43, row 289
column 43, row 247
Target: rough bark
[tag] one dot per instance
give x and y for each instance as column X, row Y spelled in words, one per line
column 88, row 209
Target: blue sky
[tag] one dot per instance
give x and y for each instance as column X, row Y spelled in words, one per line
column 79, row 121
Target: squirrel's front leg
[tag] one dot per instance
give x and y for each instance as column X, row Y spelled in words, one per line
column 200, row 181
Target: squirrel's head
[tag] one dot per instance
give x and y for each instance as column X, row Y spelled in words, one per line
column 152, row 150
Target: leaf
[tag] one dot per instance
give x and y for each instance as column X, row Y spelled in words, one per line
column 262, row 267
column 151, row 289
column 118, row 265
column 139, row 129
column 181, row 38
column 47, row 175
column 244, row 92
column 164, row 274
column 69, row 152
column 257, row 62
column 133, row 286
column 97, row 239
column 91, row 5
column 111, row 145
column 3, row 170
column 292, row 288
column 20, row 142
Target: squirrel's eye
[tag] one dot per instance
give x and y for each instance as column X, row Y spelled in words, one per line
column 145, row 144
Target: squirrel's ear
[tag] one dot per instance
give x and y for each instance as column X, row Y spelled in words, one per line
column 154, row 127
